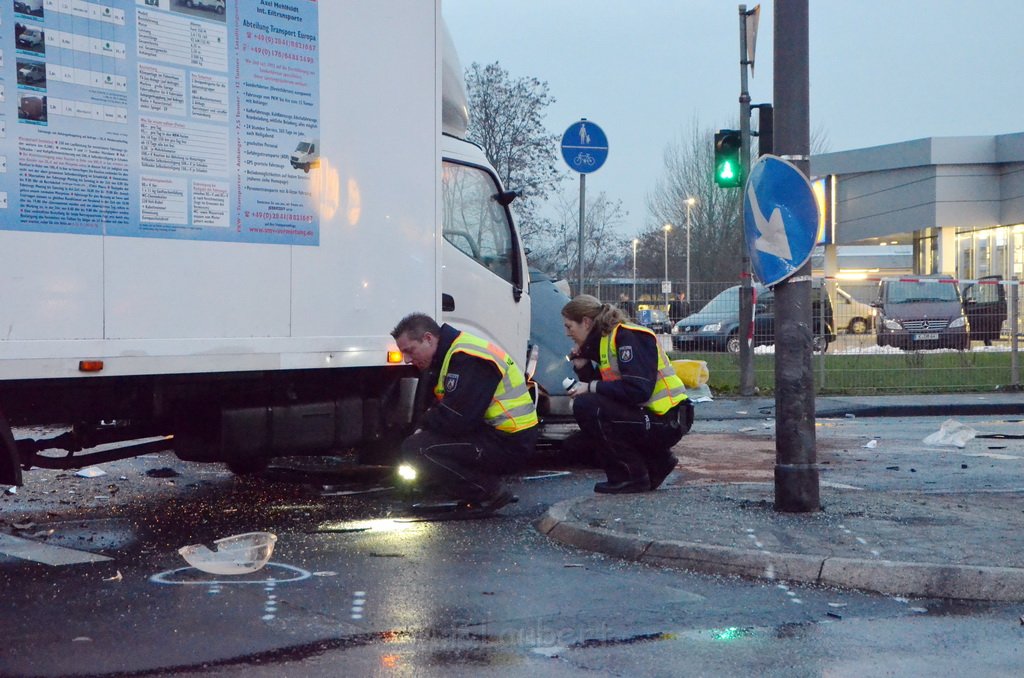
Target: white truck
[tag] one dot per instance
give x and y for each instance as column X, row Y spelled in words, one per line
column 166, row 275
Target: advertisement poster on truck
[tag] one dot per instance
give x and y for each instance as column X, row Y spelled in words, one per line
column 164, row 119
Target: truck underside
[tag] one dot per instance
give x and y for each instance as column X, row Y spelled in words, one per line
column 242, row 419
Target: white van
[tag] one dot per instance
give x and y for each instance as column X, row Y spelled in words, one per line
column 852, row 316
column 306, row 155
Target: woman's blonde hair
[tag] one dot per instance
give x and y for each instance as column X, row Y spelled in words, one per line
column 605, row 316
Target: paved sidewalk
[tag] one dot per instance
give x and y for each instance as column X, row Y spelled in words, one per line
column 965, row 544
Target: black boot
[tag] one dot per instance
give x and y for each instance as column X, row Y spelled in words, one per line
column 660, row 469
column 640, row 484
column 624, row 478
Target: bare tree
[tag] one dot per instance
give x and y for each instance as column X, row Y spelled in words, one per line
column 506, row 117
column 715, row 217
column 716, row 239
column 605, row 250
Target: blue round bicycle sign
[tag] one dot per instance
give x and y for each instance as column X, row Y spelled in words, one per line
column 584, row 147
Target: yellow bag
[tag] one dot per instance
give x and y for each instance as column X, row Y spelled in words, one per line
column 693, row 373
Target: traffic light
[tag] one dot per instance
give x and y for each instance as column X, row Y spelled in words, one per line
column 728, row 167
column 765, row 129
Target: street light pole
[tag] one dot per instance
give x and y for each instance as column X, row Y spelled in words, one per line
column 667, row 227
column 689, row 204
column 635, row 242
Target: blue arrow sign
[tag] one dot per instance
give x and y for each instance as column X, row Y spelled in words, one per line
column 584, row 147
column 780, row 219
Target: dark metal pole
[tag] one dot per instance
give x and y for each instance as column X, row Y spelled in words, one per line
column 1014, row 325
column 583, row 208
column 796, row 471
column 746, row 289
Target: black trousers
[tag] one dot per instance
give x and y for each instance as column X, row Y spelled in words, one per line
column 467, row 466
column 628, row 441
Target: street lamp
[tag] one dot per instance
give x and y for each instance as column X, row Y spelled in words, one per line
column 664, row 285
column 635, row 243
column 689, row 204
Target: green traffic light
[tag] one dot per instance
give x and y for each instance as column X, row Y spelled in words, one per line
column 728, row 170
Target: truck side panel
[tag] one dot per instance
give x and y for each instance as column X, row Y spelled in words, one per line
column 379, row 254
column 186, row 289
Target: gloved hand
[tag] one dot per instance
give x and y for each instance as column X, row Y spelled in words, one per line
column 580, row 388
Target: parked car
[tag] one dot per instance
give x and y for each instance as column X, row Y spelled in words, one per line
column 985, row 308
column 852, row 315
column 213, row 5
column 30, row 39
column 32, row 73
column 655, row 320
column 30, row 7
column 716, row 326
column 921, row 314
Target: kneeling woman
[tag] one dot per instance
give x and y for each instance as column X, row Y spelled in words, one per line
column 630, row 405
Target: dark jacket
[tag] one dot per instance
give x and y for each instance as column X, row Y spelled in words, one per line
column 639, row 372
column 461, row 408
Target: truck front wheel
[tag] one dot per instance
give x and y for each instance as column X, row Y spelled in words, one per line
column 248, row 467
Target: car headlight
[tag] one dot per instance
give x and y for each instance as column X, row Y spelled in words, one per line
column 712, row 327
column 958, row 322
column 891, row 324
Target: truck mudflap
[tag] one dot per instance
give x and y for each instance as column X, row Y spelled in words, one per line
column 10, row 464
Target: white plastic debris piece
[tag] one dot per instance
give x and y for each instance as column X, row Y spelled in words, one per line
column 91, row 472
column 871, row 444
column 747, row 429
column 850, row 415
column 12, row 490
column 952, row 433
column 116, row 577
column 240, row 554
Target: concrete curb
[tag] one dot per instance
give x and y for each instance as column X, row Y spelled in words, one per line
column 919, row 580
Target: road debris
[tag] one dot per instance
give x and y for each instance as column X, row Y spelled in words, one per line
column 238, row 554
column 952, row 433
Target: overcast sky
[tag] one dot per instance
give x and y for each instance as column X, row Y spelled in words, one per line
column 882, row 71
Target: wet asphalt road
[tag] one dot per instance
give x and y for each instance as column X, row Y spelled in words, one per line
column 350, row 590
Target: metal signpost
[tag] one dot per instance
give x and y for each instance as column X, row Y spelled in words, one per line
column 584, row 149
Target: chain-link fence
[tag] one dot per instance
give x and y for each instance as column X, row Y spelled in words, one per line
column 890, row 335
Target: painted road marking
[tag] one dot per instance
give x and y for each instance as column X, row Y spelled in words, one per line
column 27, row 549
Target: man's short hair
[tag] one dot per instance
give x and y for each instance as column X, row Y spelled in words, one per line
column 415, row 325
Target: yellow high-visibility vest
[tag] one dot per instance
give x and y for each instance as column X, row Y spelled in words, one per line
column 668, row 389
column 511, row 409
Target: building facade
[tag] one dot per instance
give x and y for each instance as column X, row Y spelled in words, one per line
column 957, row 201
